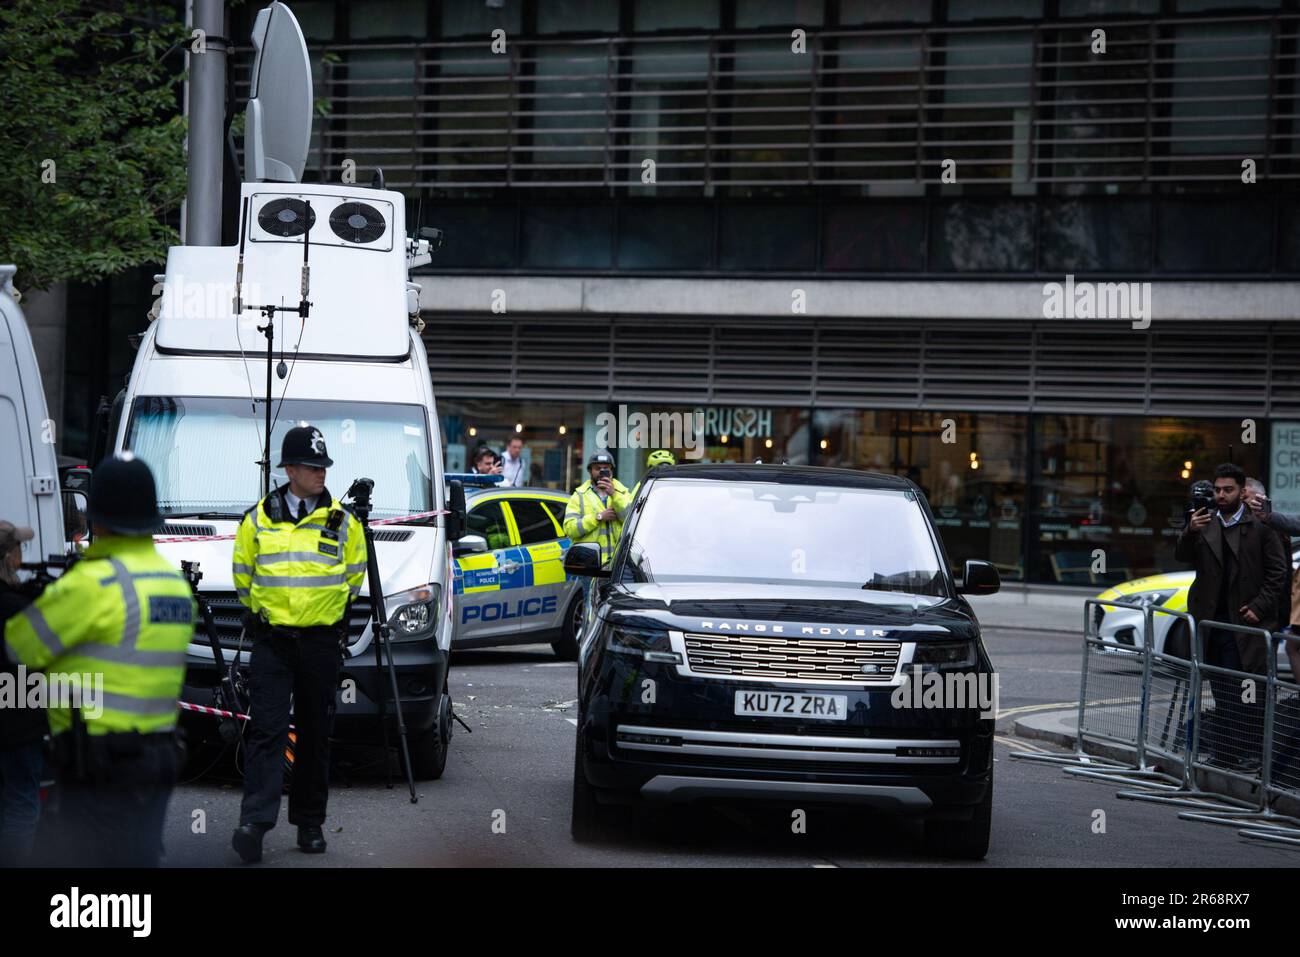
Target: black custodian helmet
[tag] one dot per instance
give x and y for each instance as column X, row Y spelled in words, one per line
column 123, row 496
column 304, row 445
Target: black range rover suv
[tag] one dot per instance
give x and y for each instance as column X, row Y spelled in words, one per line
column 765, row 632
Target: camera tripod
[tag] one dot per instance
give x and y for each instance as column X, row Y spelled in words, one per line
column 360, row 494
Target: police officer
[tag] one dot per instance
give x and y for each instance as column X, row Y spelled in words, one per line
column 299, row 561
column 657, row 457
column 596, row 509
column 115, row 626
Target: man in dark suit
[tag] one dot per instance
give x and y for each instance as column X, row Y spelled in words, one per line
column 1241, row 572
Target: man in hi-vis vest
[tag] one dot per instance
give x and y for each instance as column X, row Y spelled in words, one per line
column 299, row 561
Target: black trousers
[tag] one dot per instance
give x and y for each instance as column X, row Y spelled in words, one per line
column 303, row 666
column 111, row 814
column 1240, row 724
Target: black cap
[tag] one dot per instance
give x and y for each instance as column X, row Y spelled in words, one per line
column 304, row 445
column 123, row 497
column 600, row 458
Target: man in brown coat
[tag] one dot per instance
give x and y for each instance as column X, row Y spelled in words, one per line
column 1241, row 571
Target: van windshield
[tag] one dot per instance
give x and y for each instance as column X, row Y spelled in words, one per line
column 701, row 530
column 204, row 451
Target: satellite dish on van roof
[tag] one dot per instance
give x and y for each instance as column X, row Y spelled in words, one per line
column 277, row 125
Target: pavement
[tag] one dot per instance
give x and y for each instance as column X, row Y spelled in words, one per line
column 1035, row 607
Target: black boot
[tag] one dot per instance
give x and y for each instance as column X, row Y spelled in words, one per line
column 247, row 841
column 310, row 839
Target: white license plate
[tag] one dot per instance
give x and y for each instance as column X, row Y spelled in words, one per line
column 792, row 704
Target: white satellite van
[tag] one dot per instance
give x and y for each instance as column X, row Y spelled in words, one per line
column 345, row 355
column 29, row 468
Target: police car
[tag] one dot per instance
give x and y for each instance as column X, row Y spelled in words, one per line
column 508, row 575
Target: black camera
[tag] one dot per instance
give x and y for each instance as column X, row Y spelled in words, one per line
column 604, row 473
column 1202, row 495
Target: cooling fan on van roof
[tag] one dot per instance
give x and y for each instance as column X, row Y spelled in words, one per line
column 357, row 222
column 286, row 217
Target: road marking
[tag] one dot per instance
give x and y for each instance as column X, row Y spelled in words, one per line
column 572, row 721
column 1061, row 705
column 1018, row 743
column 558, row 664
column 835, row 866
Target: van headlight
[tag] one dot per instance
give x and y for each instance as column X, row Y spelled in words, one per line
column 416, row 614
column 646, row 645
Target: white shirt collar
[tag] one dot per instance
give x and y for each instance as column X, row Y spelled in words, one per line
column 1229, row 522
column 293, row 501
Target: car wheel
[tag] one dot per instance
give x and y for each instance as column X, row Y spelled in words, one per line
column 968, row 840
column 591, row 821
column 566, row 646
column 429, row 748
column 1178, row 640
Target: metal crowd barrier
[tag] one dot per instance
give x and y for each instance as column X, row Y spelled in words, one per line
column 1116, row 674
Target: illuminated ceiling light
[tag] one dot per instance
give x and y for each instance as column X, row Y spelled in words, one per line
column 974, row 464
column 519, row 426
column 564, row 430
column 973, row 456
column 1187, row 465
column 768, row 443
column 824, row 443
column 473, row 431
column 1187, row 473
column 724, row 438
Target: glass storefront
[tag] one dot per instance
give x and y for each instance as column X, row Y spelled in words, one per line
column 1050, row 498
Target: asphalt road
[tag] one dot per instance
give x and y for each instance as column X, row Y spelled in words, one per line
column 504, row 800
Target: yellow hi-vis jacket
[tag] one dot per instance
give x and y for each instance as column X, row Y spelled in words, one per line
column 582, row 525
column 115, row 626
column 298, row 574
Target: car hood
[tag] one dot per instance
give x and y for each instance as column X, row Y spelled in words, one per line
column 792, row 610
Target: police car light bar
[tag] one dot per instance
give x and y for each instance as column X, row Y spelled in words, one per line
column 472, row 478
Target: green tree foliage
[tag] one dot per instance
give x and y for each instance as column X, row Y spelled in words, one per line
column 91, row 136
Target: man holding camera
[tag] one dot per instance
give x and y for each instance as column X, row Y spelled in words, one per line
column 299, row 561
column 595, row 511
column 1241, row 571
column 486, row 461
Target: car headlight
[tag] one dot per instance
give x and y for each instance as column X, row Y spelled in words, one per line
column 1149, row 598
column 646, row 645
column 416, row 614
column 944, row 655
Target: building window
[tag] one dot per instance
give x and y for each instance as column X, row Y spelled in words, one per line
column 854, row 12
column 768, row 120
column 650, row 15
column 982, row 237
column 568, row 237
column 571, row 110
column 471, row 95
column 552, row 434
column 874, row 237
column 577, row 16
column 380, row 83
column 474, row 18
column 658, row 236
column 669, row 103
column 387, row 18
column 1201, row 235
column 768, row 237
column 1104, row 235
column 778, row 13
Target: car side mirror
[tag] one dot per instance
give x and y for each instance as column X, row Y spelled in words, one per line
column 980, row 578
column 469, row 544
column 456, row 506
column 583, row 559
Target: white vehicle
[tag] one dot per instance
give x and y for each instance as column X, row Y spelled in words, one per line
column 29, row 468
column 337, row 346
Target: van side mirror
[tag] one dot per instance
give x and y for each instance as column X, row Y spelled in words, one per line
column 456, row 506
column 583, row 559
column 979, row 578
column 76, row 528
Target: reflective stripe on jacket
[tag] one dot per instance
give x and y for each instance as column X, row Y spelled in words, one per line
column 582, row 525
column 299, row 574
column 117, row 623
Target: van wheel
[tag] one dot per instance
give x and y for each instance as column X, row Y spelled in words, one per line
column 429, row 748
column 566, row 646
column 591, row 821
column 968, row 840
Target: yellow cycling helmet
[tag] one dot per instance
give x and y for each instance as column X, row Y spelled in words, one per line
column 659, row 457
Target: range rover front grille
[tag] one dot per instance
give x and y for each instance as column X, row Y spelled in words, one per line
column 809, row 659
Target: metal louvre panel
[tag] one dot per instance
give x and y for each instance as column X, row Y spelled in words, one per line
column 662, row 361
column 772, row 366
column 983, row 362
column 1103, row 367
column 564, row 359
column 869, row 365
column 1092, row 365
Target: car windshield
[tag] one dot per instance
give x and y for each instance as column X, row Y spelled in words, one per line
column 204, row 452
column 696, row 530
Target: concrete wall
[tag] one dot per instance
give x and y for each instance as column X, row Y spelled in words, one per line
column 906, row 299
